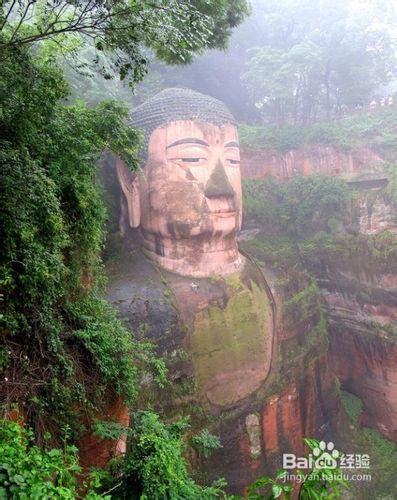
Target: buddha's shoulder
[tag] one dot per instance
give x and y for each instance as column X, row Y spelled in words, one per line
column 157, row 300
column 132, row 274
column 142, row 297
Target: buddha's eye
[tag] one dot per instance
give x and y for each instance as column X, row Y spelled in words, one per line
column 191, row 160
column 234, row 162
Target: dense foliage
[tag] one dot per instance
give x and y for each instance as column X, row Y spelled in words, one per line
column 61, row 345
column 296, row 61
column 376, row 130
column 27, row 471
column 125, row 30
column 156, row 466
column 316, row 58
column 297, row 208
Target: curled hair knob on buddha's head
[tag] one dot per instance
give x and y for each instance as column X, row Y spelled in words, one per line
column 187, row 200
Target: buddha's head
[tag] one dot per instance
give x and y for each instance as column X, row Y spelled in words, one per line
column 186, row 199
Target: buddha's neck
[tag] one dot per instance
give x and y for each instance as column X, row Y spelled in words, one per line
column 195, row 257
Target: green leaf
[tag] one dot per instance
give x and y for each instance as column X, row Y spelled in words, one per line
column 276, row 490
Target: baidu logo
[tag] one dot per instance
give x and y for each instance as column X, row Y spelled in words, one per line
column 325, row 462
column 323, row 457
column 326, row 456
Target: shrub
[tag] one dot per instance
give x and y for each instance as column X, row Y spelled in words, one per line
column 155, row 465
column 62, row 346
column 27, row 471
column 205, row 443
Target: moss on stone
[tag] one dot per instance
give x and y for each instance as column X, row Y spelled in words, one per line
column 229, row 340
column 233, row 281
column 353, row 406
column 303, row 304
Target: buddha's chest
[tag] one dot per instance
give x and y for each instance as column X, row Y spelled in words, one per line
column 223, row 324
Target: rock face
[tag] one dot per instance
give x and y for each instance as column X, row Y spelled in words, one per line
column 304, row 408
column 376, row 213
column 362, row 311
column 256, row 164
column 242, row 365
column 368, row 368
column 360, row 294
column 95, row 451
column 230, row 321
column 299, row 399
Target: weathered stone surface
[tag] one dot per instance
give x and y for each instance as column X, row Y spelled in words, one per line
column 225, row 324
column 361, row 306
column 368, row 369
column 234, row 345
column 95, row 451
column 231, row 335
column 175, row 104
column 299, row 399
column 186, row 201
column 256, row 164
column 144, row 301
column 377, row 214
column 306, row 407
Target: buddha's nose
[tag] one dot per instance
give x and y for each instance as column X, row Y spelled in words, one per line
column 218, row 184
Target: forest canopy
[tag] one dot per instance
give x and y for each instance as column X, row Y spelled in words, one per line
column 126, row 30
column 296, row 61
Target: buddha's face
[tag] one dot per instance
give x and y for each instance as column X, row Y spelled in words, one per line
column 191, row 184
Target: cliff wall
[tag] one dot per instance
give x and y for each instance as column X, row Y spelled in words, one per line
column 320, row 159
column 360, row 297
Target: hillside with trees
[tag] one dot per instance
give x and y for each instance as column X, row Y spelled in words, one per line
column 294, row 73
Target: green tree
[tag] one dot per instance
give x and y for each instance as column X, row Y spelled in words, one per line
column 27, row 471
column 297, row 208
column 62, row 348
column 172, row 29
column 316, row 59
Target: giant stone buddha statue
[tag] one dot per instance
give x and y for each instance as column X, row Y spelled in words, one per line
column 187, row 287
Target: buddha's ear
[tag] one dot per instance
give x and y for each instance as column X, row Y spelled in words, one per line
column 129, row 183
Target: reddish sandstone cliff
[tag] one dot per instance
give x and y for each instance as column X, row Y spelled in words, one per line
column 368, row 369
column 256, row 164
column 363, row 333
column 360, row 291
column 95, row 451
column 358, row 279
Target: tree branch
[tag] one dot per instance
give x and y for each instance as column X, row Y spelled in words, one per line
column 8, row 14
